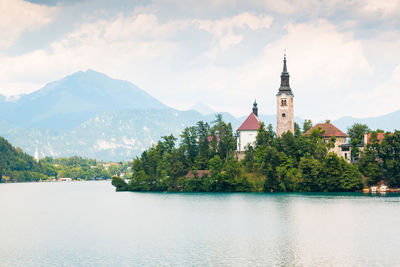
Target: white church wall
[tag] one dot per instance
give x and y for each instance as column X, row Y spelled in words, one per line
column 245, row 138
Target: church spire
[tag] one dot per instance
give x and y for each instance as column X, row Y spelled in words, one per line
column 255, row 108
column 285, row 86
column 284, row 64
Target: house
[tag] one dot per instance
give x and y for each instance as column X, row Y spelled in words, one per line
column 341, row 147
column 198, row 173
column 379, row 136
column 65, row 179
column 247, row 132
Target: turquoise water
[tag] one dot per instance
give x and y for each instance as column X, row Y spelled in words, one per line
column 88, row 224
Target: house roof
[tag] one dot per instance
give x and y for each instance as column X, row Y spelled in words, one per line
column 380, row 137
column 200, row 173
column 329, row 130
column 251, row 123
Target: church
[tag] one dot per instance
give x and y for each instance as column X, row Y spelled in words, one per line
column 247, row 132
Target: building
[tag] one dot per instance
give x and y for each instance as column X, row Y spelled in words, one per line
column 285, row 113
column 247, row 132
column 341, row 148
column 198, row 173
column 368, row 138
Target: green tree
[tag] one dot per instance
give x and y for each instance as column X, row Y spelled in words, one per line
column 370, row 165
column 311, row 174
column 189, row 144
column 215, row 166
column 389, row 153
column 307, row 125
column 119, row 183
column 356, row 133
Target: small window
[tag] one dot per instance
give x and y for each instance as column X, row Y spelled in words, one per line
column 283, row 102
column 283, row 115
column 345, row 155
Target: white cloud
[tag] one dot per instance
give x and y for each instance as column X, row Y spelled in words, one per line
column 223, row 30
column 178, row 60
column 136, row 47
column 18, row 16
column 322, row 61
column 389, row 8
column 385, row 97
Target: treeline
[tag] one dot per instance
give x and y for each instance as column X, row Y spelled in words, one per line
column 79, row 168
column 17, row 166
column 291, row 163
column 381, row 159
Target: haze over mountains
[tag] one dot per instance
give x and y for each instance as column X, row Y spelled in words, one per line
column 91, row 115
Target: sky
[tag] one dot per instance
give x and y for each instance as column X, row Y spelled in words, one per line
column 343, row 56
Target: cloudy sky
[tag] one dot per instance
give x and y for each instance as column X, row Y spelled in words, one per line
column 343, row 55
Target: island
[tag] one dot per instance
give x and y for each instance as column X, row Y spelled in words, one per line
column 205, row 160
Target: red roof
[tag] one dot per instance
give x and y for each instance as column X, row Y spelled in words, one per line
column 251, row 123
column 380, row 137
column 200, row 174
column 329, row 130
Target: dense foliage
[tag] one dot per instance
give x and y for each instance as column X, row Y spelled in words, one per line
column 85, row 169
column 17, row 166
column 293, row 162
column 381, row 160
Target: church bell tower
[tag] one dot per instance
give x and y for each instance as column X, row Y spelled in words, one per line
column 285, row 115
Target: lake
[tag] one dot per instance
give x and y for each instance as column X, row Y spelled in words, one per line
column 89, row 224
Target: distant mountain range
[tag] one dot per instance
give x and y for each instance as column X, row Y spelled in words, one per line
column 202, row 108
column 388, row 122
column 67, row 103
column 92, row 115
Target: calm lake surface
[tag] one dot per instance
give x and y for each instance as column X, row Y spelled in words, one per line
column 89, row 224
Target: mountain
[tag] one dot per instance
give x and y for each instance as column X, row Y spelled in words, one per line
column 388, row 122
column 202, row 108
column 67, row 103
column 92, row 115
column 112, row 136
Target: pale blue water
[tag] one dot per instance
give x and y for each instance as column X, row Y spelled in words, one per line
column 88, row 224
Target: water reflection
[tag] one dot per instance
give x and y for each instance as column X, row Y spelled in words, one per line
column 81, row 224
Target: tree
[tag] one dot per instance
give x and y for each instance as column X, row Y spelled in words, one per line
column 351, row 179
column 311, row 174
column 307, row 125
column 203, row 133
column 356, row 134
column 370, row 165
column 389, row 153
column 215, row 166
column 189, row 144
column 223, row 141
column 119, row 183
column 265, row 137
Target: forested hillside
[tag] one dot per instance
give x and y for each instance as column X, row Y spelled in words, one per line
column 19, row 166
column 291, row 163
